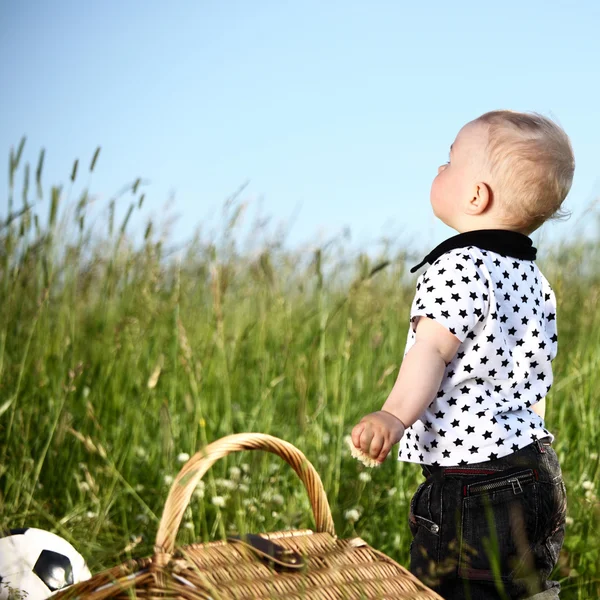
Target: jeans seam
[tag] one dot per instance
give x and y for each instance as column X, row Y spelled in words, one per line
column 440, row 524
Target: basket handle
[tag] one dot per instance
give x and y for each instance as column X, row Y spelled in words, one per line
column 195, row 468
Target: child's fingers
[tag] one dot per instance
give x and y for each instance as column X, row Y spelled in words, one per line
column 365, row 439
column 356, row 431
column 384, row 452
column 376, row 445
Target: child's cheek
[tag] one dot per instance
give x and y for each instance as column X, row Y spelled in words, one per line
column 436, row 195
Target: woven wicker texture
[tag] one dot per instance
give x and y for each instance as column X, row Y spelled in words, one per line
column 224, row 570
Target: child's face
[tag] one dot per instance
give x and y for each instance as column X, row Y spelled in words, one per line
column 457, row 179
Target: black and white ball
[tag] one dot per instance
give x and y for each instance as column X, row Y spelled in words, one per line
column 37, row 563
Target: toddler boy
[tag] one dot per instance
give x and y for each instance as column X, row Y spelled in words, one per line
column 468, row 403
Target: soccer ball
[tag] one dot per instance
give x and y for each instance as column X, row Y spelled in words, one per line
column 35, row 563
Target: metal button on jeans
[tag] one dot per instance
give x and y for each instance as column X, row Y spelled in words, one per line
column 434, row 528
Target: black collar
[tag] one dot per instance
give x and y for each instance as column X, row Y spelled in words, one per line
column 501, row 241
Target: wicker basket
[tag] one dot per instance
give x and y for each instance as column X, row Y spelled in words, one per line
column 287, row 564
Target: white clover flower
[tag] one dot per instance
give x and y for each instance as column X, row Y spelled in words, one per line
column 326, row 438
column 140, row 452
column 364, row 477
column 589, row 495
column 242, row 487
column 85, row 391
column 142, row 518
column 91, row 515
column 84, row 486
column 323, row 459
column 569, row 521
column 245, row 467
column 139, row 487
column 275, row 514
column 226, row 484
column 593, row 456
column 188, row 525
column 273, row 468
column 183, row 457
column 587, row 485
column 218, row 501
column 277, row 499
column 352, row 515
column 392, row 491
column 168, row 479
column 235, row 473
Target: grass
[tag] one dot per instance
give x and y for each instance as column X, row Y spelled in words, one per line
column 117, row 360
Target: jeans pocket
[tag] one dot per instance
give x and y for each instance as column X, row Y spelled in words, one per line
column 499, row 526
column 553, row 513
column 420, row 515
column 424, row 522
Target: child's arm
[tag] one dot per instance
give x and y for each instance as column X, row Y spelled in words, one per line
column 540, row 407
column 417, row 384
column 421, row 372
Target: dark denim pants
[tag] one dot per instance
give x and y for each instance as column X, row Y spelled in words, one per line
column 490, row 530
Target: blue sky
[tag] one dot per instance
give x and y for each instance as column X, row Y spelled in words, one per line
column 337, row 113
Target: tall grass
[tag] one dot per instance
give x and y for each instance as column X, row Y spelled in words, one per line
column 117, row 360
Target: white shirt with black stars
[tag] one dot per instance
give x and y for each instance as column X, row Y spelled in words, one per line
column 503, row 311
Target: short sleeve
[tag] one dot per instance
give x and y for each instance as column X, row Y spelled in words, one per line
column 453, row 292
column 550, row 318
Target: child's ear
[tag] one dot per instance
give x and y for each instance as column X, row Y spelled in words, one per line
column 480, row 199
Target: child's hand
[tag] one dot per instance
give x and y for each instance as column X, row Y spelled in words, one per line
column 377, row 433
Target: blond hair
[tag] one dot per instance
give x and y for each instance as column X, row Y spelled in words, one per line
column 532, row 158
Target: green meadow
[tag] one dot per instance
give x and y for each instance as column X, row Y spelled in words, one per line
column 120, row 357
